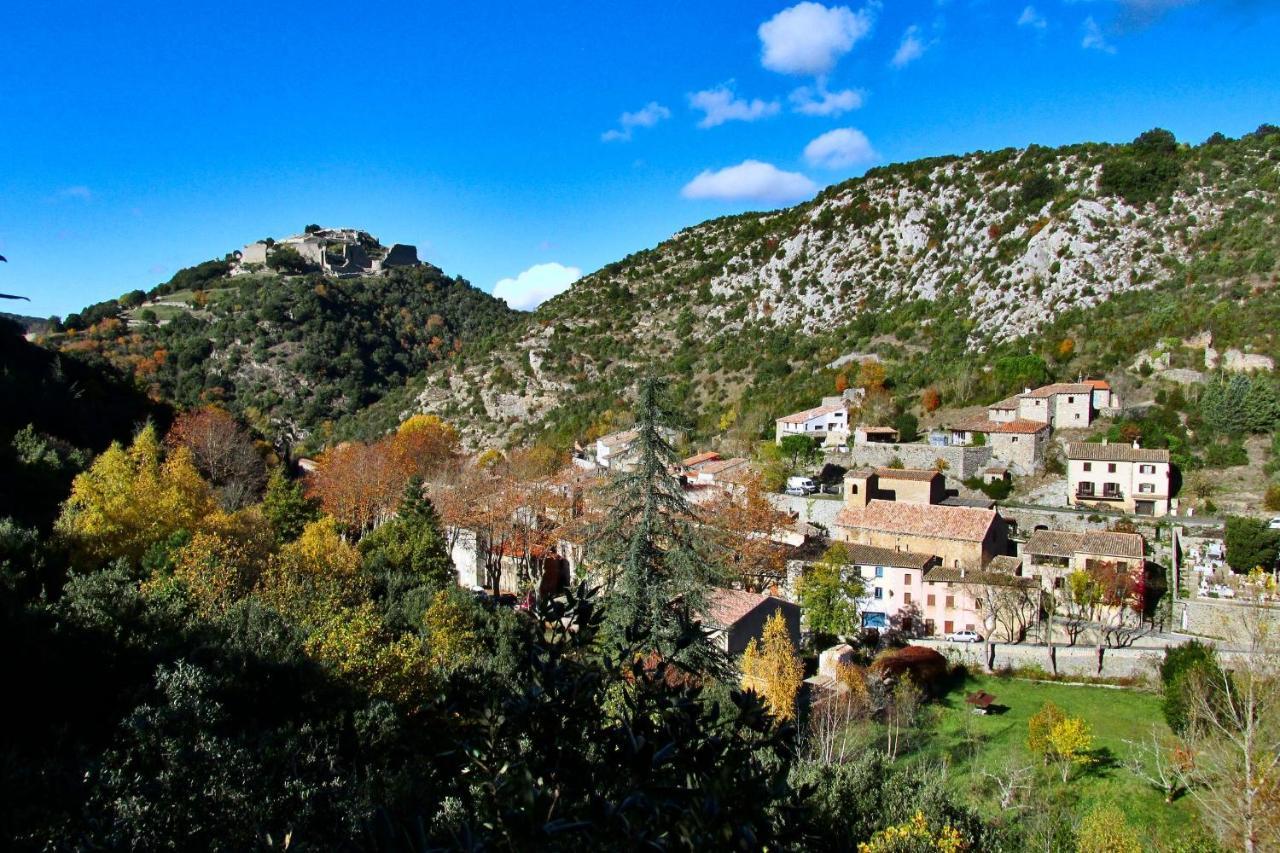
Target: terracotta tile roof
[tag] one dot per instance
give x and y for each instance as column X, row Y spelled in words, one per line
column 1059, row 388
column 727, row 607
column 964, row 523
column 869, row 555
column 1006, row 403
column 618, row 439
column 1065, row 543
column 719, row 466
column 1095, row 452
column 1098, row 384
column 981, row 577
column 881, row 430
column 809, row 414
column 921, row 474
column 699, row 458
column 981, row 423
column 1005, row 564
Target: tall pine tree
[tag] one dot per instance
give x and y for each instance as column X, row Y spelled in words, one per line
column 656, row 566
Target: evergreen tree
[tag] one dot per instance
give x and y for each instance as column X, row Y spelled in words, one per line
column 655, row 568
column 408, row 560
column 286, row 507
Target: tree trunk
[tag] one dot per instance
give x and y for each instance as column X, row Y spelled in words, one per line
column 1101, row 651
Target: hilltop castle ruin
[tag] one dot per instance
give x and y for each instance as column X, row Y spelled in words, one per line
column 341, row 252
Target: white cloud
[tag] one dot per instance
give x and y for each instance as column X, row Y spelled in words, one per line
column 536, row 285
column 823, row 103
column 719, row 105
column 647, row 116
column 750, row 180
column 911, row 48
column 1093, row 37
column 809, row 38
column 1033, row 19
column 839, row 149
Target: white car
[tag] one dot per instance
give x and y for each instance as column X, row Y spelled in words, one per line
column 1274, row 524
column 965, row 637
column 795, row 492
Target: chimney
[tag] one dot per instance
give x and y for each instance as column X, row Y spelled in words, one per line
column 1026, row 389
column 1104, row 441
column 1136, row 446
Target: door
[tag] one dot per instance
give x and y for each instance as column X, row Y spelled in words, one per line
column 948, row 627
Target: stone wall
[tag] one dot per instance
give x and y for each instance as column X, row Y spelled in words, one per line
column 1220, row 619
column 1072, row 660
column 962, row 462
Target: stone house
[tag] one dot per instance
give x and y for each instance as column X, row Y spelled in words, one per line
column 1120, row 477
column 1051, row 555
column 736, row 617
column 1019, row 444
column 960, row 536
column 903, row 485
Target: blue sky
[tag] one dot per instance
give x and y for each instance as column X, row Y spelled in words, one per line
column 547, row 138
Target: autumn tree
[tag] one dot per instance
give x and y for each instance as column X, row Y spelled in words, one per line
column 427, row 445
column 772, row 668
column 1078, row 604
column 746, row 524
column 128, row 500
column 223, row 562
column 930, row 399
column 1070, row 744
column 360, row 484
column 1039, row 727
column 452, row 635
column 831, row 736
column 1105, row 829
column 223, row 452
column 916, row 835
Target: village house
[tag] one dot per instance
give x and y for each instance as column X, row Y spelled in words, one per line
column 815, row 423
column 1051, row 555
column 1018, row 444
column 903, row 485
column 875, row 435
column 736, row 617
column 1062, row 405
column 961, row 537
column 617, row 452
column 893, row 582
column 955, row 598
column 1122, row 477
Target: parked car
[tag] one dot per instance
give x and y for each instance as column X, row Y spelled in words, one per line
column 965, row 637
column 795, row 493
column 1274, row 524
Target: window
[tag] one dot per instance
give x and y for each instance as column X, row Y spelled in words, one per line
column 1146, row 488
column 879, row 571
column 1111, row 489
column 948, row 627
column 1146, row 469
column 906, row 598
column 1057, row 583
column 1088, row 466
column 1086, row 489
column 906, row 577
column 951, row 601
column 1071, row 399
column 1076, row 416
column 1111, row 467
column 931, row 600
column 879, row 594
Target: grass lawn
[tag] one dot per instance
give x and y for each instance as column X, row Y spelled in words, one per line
column 969, row 742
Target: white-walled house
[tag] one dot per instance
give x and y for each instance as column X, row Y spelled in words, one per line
column 1123, row 477
column 1062, row 405
column 815, row 423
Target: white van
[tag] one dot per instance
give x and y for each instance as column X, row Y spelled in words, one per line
column 801, row 485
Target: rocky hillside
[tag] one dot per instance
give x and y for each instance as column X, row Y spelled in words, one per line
column 941, row 266
column 291, row 353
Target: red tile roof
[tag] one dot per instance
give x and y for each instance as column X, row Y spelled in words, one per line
column 1066, row 543
column 1059, row 388
column 967, row 524
column 921, row 474
column 727, row 607
column 1094, row 452
column 1098, row 384
column 982, row 424
column 698, row 459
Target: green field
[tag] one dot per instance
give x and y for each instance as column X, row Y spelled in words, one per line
column 969, row 743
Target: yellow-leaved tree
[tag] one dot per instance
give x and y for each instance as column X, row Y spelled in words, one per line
column 223, row 562
column 1105, row 830
column 1071, row 744
column 773, row 669
column 451, row 631
column 130, row 499
column 915, row 836
column 314, row 576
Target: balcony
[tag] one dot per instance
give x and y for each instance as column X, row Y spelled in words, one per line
column 1105, row 495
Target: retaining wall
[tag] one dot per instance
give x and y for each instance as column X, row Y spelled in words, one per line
column 962, row 462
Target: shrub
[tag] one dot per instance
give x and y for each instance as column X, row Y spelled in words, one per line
column 1183, row 666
